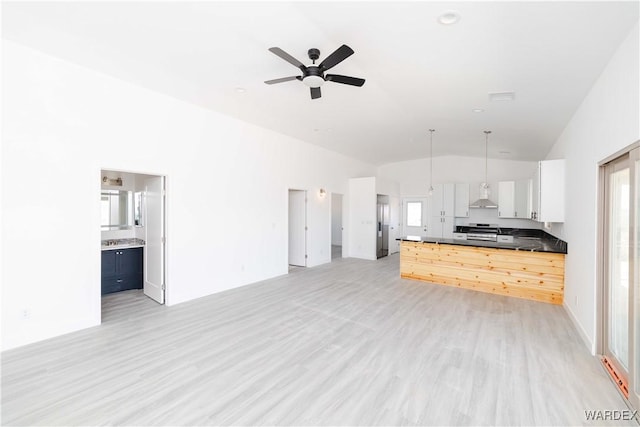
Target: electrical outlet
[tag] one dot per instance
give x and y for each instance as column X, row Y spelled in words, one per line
column 25, row 313
column 576, row 301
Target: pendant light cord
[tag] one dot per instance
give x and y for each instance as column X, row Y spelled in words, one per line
column 486, row 156
column 431, row 160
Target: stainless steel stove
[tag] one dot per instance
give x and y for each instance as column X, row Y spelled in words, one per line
column 485, row 232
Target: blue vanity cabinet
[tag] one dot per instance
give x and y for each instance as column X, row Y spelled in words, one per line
column 121, row 270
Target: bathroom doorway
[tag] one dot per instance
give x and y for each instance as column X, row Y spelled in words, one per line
column 297, row 228
column 382, row 227
column 337, row 227
column 133, row 236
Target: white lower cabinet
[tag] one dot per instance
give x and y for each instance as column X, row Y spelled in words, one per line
column 441, row 227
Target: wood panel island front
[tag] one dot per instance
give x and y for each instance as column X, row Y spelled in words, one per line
column 535, row 273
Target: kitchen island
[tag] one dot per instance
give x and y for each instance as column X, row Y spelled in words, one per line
column 527, row 267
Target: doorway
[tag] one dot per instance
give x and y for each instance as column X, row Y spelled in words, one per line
column 619, row 271
column 394, row 224
column 337, row 228
column 133, row 230
column 298, row 228
column 415, row 216
column 382, row 226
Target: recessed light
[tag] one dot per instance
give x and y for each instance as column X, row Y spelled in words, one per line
column 449, row 17
column 316, row 130
column 477, row 110
column 504, row 152
column 240, row 90
column 502, row 96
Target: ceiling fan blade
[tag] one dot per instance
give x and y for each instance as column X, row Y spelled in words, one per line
column 353, row 81
column 290, row 59
column 315, row 92
column 283, row 79
column 342, row 53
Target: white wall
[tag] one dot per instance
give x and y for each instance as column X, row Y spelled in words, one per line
column 362, row 218
column 362, row 215
column 227, row 191
column 336, row 219
column 413, row 179
column 607, row 121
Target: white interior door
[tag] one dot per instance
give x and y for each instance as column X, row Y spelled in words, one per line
column 298, row 228
column 415, row 216
column 154, row 281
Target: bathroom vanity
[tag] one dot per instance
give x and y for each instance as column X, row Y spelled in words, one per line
column 122, row 265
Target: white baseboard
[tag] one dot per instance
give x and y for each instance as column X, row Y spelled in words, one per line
column 585, row 338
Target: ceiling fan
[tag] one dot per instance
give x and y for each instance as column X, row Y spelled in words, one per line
column 314, row 75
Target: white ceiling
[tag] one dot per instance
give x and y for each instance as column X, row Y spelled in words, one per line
column 419, row 73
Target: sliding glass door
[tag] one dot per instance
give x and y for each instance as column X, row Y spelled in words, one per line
column 634, row 271
column 621, row 290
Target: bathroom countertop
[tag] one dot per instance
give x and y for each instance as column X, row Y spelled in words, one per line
column 111, row 244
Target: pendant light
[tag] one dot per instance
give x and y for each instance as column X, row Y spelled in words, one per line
column 483, row 201
column 484, row 193
column 431, row 161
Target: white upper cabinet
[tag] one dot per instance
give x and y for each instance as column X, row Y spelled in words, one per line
column 507, row 199
column 535, row 194
column 461, row 208
column 442, row 211
column 514, row 199
column 442, row 200
column 523, row 198
column 547, row 199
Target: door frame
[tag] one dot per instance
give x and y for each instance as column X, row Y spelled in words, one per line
column 165, row 225
column 342, row 217
column 602, row 270
column 306, row 236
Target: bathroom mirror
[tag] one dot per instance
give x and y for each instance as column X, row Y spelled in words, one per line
column 116, row 208
column 138, row 206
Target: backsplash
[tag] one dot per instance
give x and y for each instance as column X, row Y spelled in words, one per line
column 490, row 216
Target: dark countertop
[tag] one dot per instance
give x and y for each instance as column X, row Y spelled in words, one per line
column 522, row 241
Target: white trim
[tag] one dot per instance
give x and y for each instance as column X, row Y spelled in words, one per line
column 585, row 338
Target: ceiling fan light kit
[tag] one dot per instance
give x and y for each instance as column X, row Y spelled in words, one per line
column 313, row 75
column 449, row 17
column 313, row 81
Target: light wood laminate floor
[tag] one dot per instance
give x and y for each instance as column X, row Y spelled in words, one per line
column 346, row 343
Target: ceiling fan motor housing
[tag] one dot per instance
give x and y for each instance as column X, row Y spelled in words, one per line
column 314, row 54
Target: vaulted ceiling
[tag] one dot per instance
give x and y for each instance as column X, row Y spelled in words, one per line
column 420, row 73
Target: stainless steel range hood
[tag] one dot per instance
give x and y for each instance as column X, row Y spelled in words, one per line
column 484, row 204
